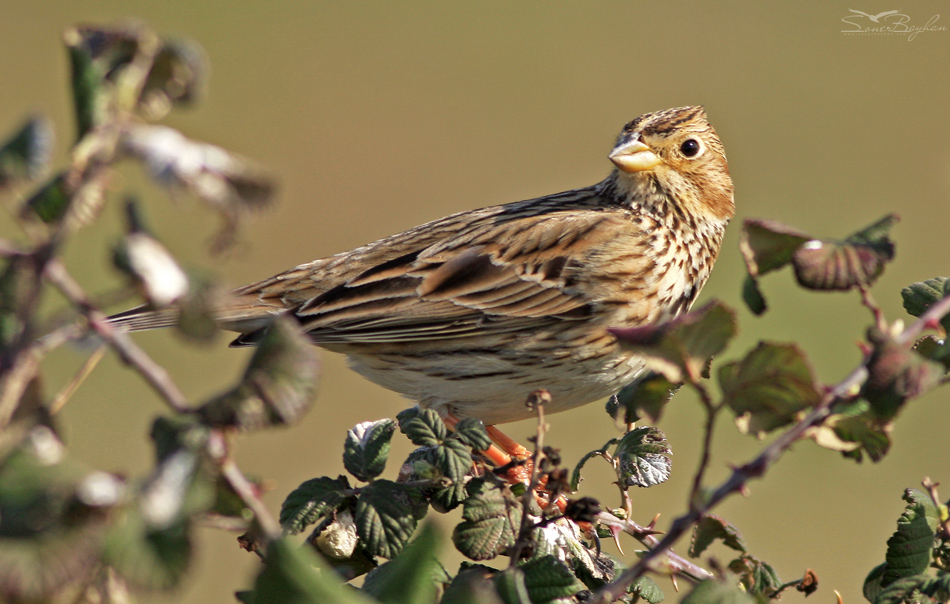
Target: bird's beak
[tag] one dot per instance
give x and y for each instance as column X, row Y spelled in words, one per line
column 634, row 156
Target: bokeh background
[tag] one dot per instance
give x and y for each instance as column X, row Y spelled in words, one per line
column 378, row 116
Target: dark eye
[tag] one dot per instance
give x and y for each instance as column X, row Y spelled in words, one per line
column 690, row 147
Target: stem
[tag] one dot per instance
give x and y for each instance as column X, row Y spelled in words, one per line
column 712, row 411
column 270, row 528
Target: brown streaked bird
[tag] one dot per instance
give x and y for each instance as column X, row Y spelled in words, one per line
column 471, row 313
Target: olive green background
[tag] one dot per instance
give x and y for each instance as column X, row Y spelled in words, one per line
column 377, row 116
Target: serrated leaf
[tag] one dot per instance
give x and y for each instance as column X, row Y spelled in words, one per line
column 914, row 588
column 711, row 528
column 367, row 448
column 146, row 556
column 312, row 501
column 757, row 576
column 644, row 457
column 423, row 467
column 473, row 433
column 769, row 387
column 549, row 581
column 933, row 349
column 491, row 520
column 711, row 591
column 909, row 548
column 644, row 397
column 453, row 459
column 681, row 348
column 872, row 583
column 95, row 54
column 423, row 427
column 841, row 265
column 896, row 374
column 386, row 517
column 647, row 589
column 919, row 297
column 576, row 474
column 410, row 577
column 51, row 202
column 25, row 155
column 295, row 575
column 277, row 387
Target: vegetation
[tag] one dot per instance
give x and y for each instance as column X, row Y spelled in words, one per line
column 68, row 533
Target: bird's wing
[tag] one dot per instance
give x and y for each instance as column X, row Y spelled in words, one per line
column 494, row 276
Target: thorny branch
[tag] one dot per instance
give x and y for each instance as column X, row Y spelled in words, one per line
column 741, row 475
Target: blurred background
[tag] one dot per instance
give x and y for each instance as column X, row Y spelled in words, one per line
column 379, row 116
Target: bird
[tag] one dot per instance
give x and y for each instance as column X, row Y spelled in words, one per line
column 472, row 313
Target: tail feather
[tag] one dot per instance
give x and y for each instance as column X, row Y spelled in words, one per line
column 142, row 318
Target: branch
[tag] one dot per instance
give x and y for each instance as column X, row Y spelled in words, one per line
column 127, row 349
column 757, row 467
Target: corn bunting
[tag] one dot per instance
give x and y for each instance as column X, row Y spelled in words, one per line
column 471, row 313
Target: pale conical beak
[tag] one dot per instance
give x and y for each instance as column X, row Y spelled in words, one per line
column 634, row 156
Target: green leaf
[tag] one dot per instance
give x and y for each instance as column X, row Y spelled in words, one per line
column 548, row 580
column 410, row 577
column 53, row 519
column 647, row 589
column 177, row 77
column 312, row 501
column 51, row 202
column 423, row 464
column 473, row 433
column 473, row 585
column 386, row 517
column 367, row 448
column 681, row 348
column 172, row 434
column 933, row 349
column 644, row 457
column 510, row 585
column 147, row 556
column 768, row 245
column 757, row 576
column 872, row 583
column 295, row 575
column 896, row 374
column 855, row 430
column 769, row 387
column 752, row 296
column 453, row 459
column 644, row 397
column 424, row 427
column 916, row 588
column 491, row 520
column 96, row 53
column 711, row 591
column 27, row 153
column 909, row 548
column 576, row 474
column 841, row 265
column 919, row 297
column 277, row 387
column 711, row 528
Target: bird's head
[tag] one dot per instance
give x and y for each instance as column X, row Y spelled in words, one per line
column 675, row 154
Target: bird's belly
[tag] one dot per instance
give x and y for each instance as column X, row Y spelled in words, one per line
column 493, row 386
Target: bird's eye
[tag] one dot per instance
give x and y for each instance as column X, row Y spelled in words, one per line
column 690, row 147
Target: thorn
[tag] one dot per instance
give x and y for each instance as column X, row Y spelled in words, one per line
column 744, row 490
column 838, row 595
column 676, row 587
column 864, row 347
column 653, row 522
column 615, row 533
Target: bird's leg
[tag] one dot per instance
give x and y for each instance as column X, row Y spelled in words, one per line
column 505, row 453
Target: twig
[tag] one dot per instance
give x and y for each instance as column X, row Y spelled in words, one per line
column 931, row 486
column 127, row 349
column 270, row 528
column 769, row 455
column 537, row 400
column 63, row 396
column 712, row 411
